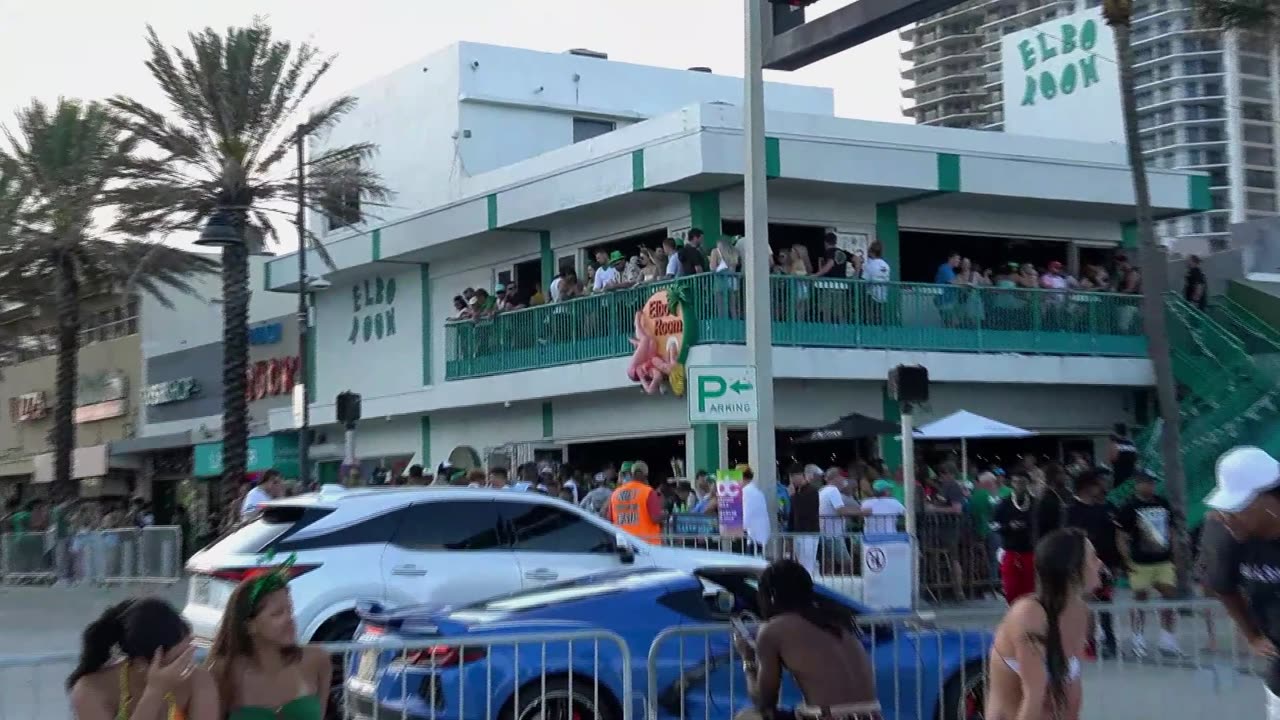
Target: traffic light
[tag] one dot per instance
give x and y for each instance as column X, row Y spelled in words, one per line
column 348, row 408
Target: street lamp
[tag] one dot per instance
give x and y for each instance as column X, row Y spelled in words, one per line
column 306, row 284
column 220, row 230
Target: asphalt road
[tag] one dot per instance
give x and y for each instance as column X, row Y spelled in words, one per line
column 1207, row 686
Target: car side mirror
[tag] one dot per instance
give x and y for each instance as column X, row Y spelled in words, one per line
column 626, row 551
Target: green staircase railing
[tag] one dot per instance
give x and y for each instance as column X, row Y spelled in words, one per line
column 1226, row 397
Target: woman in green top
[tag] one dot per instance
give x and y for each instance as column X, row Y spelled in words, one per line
column 261, row 671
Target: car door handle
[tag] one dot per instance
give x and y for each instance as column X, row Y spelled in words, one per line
column 542, row 574
column 412, row 570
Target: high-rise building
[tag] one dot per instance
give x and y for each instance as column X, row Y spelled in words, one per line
column 1206, row 101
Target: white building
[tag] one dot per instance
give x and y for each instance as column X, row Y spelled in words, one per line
column 555, row 379
column 1206, row 102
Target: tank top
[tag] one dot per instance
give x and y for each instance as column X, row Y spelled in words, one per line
column 629, row 508
column 173, row 712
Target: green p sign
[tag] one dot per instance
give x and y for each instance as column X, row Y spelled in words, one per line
column 722, row 394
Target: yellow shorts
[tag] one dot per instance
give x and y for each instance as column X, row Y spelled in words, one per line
column 1147, row 577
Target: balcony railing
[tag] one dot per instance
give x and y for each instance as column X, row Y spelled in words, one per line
column 808, row 312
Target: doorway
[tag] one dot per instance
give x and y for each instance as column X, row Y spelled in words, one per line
column 528, row 276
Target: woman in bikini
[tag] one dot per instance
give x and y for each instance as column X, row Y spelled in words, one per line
column 259, row 668
column 136, row 664
column 1034, row 671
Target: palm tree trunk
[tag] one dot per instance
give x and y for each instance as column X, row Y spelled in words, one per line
column 63, row 433
column 235, row 364
column 1155, row 280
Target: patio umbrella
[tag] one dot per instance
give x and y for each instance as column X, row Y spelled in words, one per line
column 963, row 425
column 850, row 427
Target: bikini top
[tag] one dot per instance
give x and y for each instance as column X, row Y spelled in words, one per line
column 1073, row 666
column 306, row 707
column 174, row 712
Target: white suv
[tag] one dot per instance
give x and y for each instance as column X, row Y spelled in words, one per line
column 410, row 546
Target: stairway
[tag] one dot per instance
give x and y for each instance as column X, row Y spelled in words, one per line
column 1227, row 365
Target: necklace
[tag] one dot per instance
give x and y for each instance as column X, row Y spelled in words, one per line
column 1020, row 508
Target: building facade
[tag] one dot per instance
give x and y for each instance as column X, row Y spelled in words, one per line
column 554, row 381
column 1207, row 101
column 106, row 401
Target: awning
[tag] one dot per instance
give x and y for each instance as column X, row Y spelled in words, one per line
column 850, row 427
column 264, row 453
column 150, row 443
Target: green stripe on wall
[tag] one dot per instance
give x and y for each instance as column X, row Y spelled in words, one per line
column 1198, row 196
column 491, row 208
column 772, row 158
column 948, row 172
column 706, row 448
column 887, row 234
column 637, row 169
column 424, row 428
column 377, row 244
column 424, row 272
column 1129, row 235
column 704, row 214
column 266, row 275
column 548, row 421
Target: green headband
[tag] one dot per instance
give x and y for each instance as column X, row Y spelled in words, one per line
column 265, row 581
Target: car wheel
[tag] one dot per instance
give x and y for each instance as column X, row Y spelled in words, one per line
column 556, row 702
column 965, row 694
column 338, row 630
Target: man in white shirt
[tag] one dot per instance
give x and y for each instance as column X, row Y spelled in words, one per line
column 609, row 275
column 881, row 512
column 270, row 487
column 755, row 511
column 832, row 511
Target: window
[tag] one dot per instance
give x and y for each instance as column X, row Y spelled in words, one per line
column 451, row 525
column 374, row 531
column 1257, row 133
column 341, row 205
column 537, row 527
column 585, row 129
column 271, row 525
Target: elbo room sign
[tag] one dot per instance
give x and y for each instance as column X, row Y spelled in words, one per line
column 1060, row 80
column 373, row 310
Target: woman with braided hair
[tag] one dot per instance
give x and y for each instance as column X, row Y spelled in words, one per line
column 1034, row 671
column 260, row 669
column 136, row 664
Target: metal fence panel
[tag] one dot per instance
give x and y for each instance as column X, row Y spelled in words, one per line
column 126, row 555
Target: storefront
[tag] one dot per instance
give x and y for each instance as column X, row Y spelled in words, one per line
column 278, row 452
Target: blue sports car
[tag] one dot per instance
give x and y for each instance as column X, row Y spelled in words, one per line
column 475, row 672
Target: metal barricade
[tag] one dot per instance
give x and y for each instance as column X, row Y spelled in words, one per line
column 128, row 555
column 32, row 687
column 586, row 674
column 834, row 560
column 27, row 557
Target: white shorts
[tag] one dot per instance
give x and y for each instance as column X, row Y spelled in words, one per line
column 1273, row 706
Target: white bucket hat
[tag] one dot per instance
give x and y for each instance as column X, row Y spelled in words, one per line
column 1243, row 474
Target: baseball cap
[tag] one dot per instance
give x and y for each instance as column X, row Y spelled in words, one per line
column 882, row 486
column 1243, row 474
column 625, row 467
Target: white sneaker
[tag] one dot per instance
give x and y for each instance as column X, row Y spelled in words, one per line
column 1138, row 645
column 1168, row 644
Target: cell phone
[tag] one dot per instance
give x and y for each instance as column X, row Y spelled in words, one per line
column 746, row 628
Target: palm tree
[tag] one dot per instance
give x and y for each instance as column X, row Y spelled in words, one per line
column 1119, row 15
column 56, row 177
column 222, row 155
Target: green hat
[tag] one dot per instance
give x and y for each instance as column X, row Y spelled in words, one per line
column 626, row 467
column 616, row 256
column 499, row 287
column 882, row 486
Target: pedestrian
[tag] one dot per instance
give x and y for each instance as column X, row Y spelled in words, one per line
column 155, row 675
column 256, row 659
column 597, row 499
column 804, row 523
column 636, row 507
column 755, row 514
column 1240, row 554
column 1145, row 523
column 815, row 642
column 1015, row 519
column 416, row 475
column 270, row 487
column 1123, row 455
column 981, row 508
column 1095, row 516
column 1034, row 670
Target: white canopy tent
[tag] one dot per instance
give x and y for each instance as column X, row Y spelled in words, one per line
column 964, row 425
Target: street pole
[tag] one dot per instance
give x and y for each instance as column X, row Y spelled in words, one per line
column 760, row 434
column 909, row 495
column 304, row 420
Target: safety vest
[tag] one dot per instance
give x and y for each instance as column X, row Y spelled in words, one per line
column 629, row 508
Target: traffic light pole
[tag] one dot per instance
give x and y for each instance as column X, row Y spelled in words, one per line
column 759, row 319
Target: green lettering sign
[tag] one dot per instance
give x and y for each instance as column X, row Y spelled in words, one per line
column 1028, row 54
column 1076, row 68
column 373, row 312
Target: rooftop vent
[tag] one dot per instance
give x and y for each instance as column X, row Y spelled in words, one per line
column 700, row 68
column 584, row 52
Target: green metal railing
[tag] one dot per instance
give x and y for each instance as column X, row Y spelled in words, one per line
column 1258, row 337
column 808, row 312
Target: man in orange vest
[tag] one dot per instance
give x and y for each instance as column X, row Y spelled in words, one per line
column 636, row 507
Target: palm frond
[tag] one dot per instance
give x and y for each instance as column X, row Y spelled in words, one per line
column 1256, row 16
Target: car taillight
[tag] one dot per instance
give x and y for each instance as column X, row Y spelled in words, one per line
column 443, row 656
column 237, row 575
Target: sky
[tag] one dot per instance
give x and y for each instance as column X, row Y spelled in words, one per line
column 91, row 50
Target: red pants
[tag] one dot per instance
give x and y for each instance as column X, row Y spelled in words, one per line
column 1018, row 574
